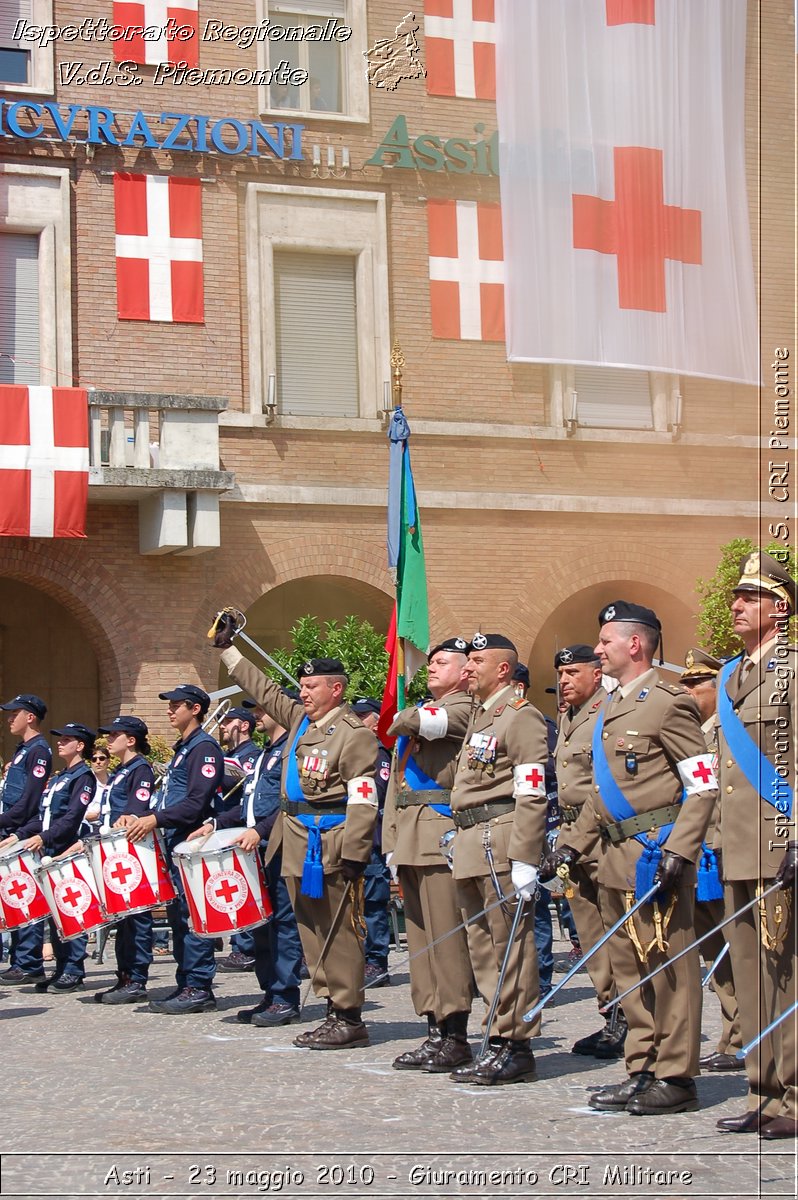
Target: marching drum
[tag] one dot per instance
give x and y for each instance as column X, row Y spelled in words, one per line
column 72, row 896
column 22, row 901
column 131, row 877
column 225, row 887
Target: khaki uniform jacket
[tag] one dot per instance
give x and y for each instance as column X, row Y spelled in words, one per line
column 520, row 733
column 349, row 750
column 574, row 761
column 660, row 724
column 710, row 731
column 747, row 822
column 413, row 834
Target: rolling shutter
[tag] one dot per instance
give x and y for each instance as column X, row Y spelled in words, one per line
column 613, row 399
column 19, row 308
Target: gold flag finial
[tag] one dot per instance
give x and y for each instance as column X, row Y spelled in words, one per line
column 397, row 366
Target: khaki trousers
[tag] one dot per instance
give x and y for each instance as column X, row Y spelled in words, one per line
column 341, row 975
column 664, row 1015
column 765, row 987
column 707, row 915
column 487, row 944
column 590, row 927
column 440, row 980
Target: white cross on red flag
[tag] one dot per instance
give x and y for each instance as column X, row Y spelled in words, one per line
column 169, row 31
column 158, row 248
column 44, row 461
column 466, row 270
column 460, row 52
column 623, row 184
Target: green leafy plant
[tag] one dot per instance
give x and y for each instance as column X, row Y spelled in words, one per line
column 715, row 629
column 358, row 645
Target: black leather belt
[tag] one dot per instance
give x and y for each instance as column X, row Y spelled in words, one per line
column 641, row 823
column 469, row 817
column 410, row 799
column 295, row 808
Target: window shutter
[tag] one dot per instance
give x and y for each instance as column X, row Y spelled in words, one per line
column 613, row 399
column 19, row 308
column 307, row 8
column 12, row 11
column 316, row 326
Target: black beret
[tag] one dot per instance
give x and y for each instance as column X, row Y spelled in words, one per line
column 622, row 610
column 322, row 666
column 578, row 653
column 453, row 645
column 28, row 702
column 491, row 641
column 521, row 675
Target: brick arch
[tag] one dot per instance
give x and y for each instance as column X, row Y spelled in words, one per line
column 86, row 589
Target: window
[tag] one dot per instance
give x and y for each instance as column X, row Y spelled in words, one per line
column 19, row 308
column 336, row 86
column 316, row 329
column 25, row 66
column 35, row 275
column 591, row 397
column 317, row 286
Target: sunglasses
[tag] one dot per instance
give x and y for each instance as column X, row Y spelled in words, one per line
column 100, row 758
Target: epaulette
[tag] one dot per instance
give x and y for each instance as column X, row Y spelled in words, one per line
column 673, row 688
column 519, row 702
column 353, row 719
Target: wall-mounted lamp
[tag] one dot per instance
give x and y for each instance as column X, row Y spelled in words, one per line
column 676, row 414
column 270, row 405
column 571, row 412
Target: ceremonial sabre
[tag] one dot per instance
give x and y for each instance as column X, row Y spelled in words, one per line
column 715, row 965
column 663, row 966
column 768, row 1029
column 241, row 621
column 494, row 1004
column 533, row 1012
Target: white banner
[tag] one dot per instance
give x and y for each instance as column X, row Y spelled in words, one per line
column 624, row 204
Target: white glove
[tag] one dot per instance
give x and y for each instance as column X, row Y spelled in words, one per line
column 393, row 870
column 525, row 879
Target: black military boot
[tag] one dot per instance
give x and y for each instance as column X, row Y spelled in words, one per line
column 616, row 1096
column 343, row 1028
column 454, row 1049
column 607, row 1042
column 465, row 1074
column 303, row 1039
column 414, row 1060
column 515, row 1063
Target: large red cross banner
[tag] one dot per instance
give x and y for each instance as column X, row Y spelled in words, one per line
column 44, row 461
column 624, row 205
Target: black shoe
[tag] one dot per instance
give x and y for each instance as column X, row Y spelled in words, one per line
column 454, row 1049
column 245, row 1015
column 189, row 1000
column 604, row 1043
column 67, row 983
column 616, row 1096
column 132, row 992
column 665, row 1096
column 121, row 980
column 414, row 1060
column 721, row 1062
column 236, row 962
column 780, row 1127
column 16, row 975
column 376, row 976
column 752, row 1121
column 340, row 1031
column 275, row 1014
column 515, row 1063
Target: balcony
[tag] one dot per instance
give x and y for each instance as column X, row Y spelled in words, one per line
column 161, row 451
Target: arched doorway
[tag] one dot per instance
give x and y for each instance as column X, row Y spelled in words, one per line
column 576, row 620
column 326, row 597
column 45, row 650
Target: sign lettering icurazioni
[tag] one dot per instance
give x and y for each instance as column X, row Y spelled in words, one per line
column 192, row 133
column 456, row 155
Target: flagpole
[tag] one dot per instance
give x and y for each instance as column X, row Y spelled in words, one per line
column 400, row 674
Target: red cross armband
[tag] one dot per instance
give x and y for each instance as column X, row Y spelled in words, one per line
column 433, row 722
column 529, row 780
column 697, row 774
column 362, row 791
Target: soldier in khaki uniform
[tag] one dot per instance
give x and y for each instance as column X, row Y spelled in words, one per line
column 499, row 808
column 326, row 827
column 579, row 674
column 757, row 828
column 649, row 761
column 417, row 815
column 699, row 678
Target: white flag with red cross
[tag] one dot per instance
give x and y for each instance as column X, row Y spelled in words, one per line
column 44, row 461
column 157, row 31
column 466, row 270
column 158, row 248
column 623, row 185
column 460, row 50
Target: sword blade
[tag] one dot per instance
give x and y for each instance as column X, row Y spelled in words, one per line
column 494, row 1004
column 272, row 661
column 588, row 954
column 715, row 965
column 768, row 1029
column 669, row 963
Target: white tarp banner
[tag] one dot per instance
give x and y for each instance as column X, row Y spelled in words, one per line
column 623, row 185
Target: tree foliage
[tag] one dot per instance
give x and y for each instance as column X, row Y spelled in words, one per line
column 358, row 645
column 715, row 629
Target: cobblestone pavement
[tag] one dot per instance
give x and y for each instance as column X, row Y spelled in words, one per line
column 105, row 1101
